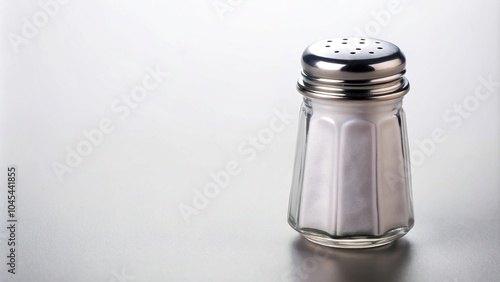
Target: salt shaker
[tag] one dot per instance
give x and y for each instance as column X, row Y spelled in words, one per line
column 351, row 186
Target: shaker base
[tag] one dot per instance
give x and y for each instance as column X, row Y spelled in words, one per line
column 356, row 242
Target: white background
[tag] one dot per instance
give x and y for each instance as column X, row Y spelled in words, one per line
column 116, row 217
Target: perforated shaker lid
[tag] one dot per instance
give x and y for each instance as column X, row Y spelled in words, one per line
column 353, row 68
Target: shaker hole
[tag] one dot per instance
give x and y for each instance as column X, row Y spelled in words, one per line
column 327, row 45
column 378, row 42
column 371, row 52
column 361, row 42
column 380, row 48
column 344, row 42
column 353, row 53
column 358, row 48
column 328, row 41
column 336, row 51
column 362, row 39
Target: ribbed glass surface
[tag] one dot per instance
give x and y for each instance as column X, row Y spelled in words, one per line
column 352, row 175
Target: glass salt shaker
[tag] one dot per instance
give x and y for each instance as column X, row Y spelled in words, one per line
column 351, row 186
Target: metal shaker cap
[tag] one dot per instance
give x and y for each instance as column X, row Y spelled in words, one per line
column 353, row 68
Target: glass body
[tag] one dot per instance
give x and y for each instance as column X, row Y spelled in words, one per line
column 351, row 186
